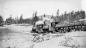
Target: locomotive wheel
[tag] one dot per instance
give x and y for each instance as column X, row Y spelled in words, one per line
column 84, row 28
column 68, row 30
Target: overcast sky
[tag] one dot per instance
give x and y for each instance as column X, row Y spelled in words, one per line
column 83, row 4
column 28, row 7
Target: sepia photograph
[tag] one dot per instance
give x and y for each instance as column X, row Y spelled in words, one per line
column 42, row 23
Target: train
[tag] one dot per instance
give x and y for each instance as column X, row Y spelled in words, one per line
column 74, row 26
column 61, row 27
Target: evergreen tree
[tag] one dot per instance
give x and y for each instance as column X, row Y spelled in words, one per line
column 9, row 20
column 1, row 21
column 21, row 19
column 57, row 14
column 35, row 18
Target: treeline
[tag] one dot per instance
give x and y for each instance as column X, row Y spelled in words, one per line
column 71, row 16
column 19, row 20
column 66, row 17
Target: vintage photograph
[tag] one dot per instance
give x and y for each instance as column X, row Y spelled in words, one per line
column 42, row 23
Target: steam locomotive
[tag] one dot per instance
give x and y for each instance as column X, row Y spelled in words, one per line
column 62, row 27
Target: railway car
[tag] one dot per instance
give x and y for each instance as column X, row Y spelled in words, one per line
column 74, row 26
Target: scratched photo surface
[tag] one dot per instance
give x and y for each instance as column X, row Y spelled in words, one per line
column 42, row 23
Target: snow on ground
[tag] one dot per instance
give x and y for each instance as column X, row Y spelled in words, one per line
column 19, row 28
column 69, row 40
column 80, row 36
column 16, row 40
column 53, row 43
column 18, row 36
